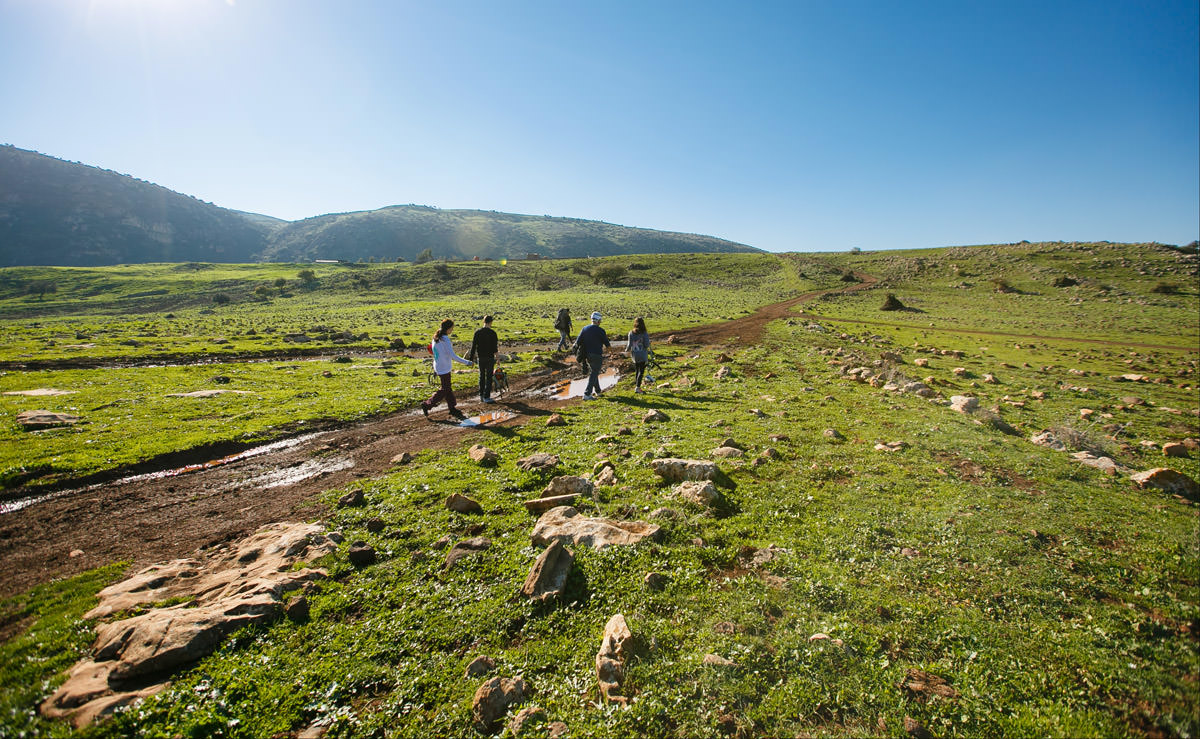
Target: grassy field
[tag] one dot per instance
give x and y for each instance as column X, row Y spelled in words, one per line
column 1054, row 599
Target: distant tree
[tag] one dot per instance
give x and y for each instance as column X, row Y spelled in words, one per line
column 425, row 256
column 1165, row 288
column 308, row 277
column 41, row 287
column 855, row 250
column 608, row 275
column 263, row 292
column 441, row 270
column 221, row 298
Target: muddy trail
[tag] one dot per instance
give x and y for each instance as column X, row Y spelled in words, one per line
column 206, row 500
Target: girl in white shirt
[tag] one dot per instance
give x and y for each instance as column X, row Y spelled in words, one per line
column 443, row 355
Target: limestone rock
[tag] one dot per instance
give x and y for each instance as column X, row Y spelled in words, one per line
column 1169, row 481
column 1104, row 464
column 771, row 453
column 41, row 419
column 964, row 403
column 297, row 609
column 990, row 379
column 484, row 456
column 727, row 452
column 655, row 416
column 921, row 686
column 723, row 372
column 913, row 728
column 700, row 492
column 462, row 504
column 1049, row 440
column 676, row 470
column 548, row 577
column 526, row 717
column 538, row 462
column 615, row 648
column 891, row 446
column 716, row 660
column 480, row 666
column 556, row 419
column 833, row 435
column 565, row 524
column 541, row 505
column 402, row 458
column 558, row 729
column 492, row 700
column 607, row 477
column 225, row 590
column 466, row 548
column 568, row 485
column 1174, row 449
column 655, row 581
column 352, row 499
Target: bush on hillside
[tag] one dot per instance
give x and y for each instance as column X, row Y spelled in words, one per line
column 1165, row 288
column 543, row 282
column 221, row 298
column 1002, row 285
column 441, row 270
column 423, row 257
column 608, row 275
column 308, row 277
column 849, row 276
column 891, row 302
column 1065, row 281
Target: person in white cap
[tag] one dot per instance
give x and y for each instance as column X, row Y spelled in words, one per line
column 593, row 340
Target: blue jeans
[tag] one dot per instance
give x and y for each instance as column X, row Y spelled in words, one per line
column 595, row 363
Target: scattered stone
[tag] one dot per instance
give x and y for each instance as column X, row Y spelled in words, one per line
column 466, row 548
column 492, row 700
column 1132, row 400
column 297, row 609
column 716, row 660
column 922, row 686
column 757, row 413
column 1175, row 449
column 912, row 727
column 723, row 372
column 655, row 416
column 558, row 729
column 674, row 469
column 1191, row 444
column 313, row 731
column 1037, row 394
column 833, row 435
column 361, row 554
column 548, row 577
column 891, row 446
column 42, row 419
column 655, row 581
column 352, row 499
column 780, row 438
column 1104, row 464
column 230, row 588
column 727, row 452
column 568, row 485
column 565, row 524
column 615, row 647
column 541, row 505
column 212, row 393
column 538, row 462
column 462, row 504
column 556, row 419
column 990, row 379
column 441, row 543
column 626, row 431
column 700, row 492
column 1169, row 481
column 40, row 391
column 964, row 403
column 667, row 514
column 770, row 453
column 482, row 455
column 753, row 557
column 921, row 362
column 959, row 371
column 525, row 717
column 375, row 525
column 607, row 477
column 1086, row 413
column 480, row 666
column 402, row 458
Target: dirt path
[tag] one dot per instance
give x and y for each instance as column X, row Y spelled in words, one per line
column 1007, row 334
column 151, row 518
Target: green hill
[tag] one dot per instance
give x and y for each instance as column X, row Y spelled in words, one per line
column 54, row 212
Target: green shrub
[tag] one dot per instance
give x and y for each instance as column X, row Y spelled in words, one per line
column 608, row 275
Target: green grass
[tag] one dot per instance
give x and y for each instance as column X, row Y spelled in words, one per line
column 1057, row 600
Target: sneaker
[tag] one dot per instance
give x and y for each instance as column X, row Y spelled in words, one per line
column 589, row 396
column 489, row 400
column 638, row 391
column 457, row 414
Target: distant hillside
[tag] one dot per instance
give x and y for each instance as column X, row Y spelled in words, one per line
column 407, row 230
column 54, row 212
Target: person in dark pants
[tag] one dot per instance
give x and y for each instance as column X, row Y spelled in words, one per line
column 593, row 340
column 639, row 349
column 563, row 325
column 483, row 353
column 443, row 356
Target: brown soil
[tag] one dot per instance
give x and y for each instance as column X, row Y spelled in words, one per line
column 148, row 520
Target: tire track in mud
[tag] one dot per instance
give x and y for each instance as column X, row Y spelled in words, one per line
column 153, row 517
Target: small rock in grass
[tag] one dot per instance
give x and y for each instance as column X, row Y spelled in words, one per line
column 483, row 455
column 352, row 499
column 607, row 477
column 402, row 458
column 547, row 578
column 568, row 485
column 727, row 452
column 716, row 660
column 913, row 728
column 655, row 416
column 891, row 446
column 610, row 660
column 539, row 462
column 674, row 469
column 361, row 554
column 1175, row 449
column 480, row 666
column 771, row 453
column 964, row 403
column 42, row 419
column 297, row 609
column 462, row 504
column 833, row 435
column 75, row 553
column 441, row 543
column 655, row 581
column 527, row 717
column 556, row 419
column 1169, row 481
column 558, row 730
column 700, row 492
column 492, row 700
column 466, row 548
column 375, row 525
column 921, row 686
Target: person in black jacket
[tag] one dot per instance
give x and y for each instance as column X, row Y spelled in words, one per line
column 484, row 345
column 563, row 324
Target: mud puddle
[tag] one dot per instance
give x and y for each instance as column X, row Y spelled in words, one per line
column 16, row 505
column 568, row 389
column 486, row 418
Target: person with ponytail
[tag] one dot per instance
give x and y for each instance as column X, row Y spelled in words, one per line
column 639, row 349
column 443, row 356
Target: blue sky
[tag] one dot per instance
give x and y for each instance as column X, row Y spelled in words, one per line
column 789, row 126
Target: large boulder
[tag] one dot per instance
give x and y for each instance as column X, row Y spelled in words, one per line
column 1169, row 481
column 678, row 470
column 548, row 577
column 225, row 590
column 615, row 648
column 565, row 524
column 700, row 492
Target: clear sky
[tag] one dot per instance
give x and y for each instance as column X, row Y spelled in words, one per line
column 785, row 125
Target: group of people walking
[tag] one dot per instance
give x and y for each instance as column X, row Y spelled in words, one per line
column 589, row 348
